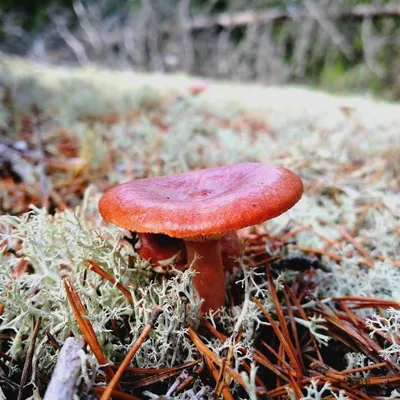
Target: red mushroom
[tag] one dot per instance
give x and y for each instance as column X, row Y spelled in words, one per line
column 198, row 87
column 161, row 250
column 231, row 249
column 199, row 207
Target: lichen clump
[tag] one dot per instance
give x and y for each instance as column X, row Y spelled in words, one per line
column 54, row 246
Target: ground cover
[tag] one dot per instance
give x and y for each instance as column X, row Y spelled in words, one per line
column 313, row 308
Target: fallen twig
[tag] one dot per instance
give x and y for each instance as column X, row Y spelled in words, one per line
column 64, row 378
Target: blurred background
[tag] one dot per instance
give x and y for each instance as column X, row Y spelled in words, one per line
column 97, row 92
column 339, row 45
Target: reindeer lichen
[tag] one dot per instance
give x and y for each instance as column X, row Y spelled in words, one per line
column 58, row 245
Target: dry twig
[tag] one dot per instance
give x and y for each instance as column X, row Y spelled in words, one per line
column 62, row 385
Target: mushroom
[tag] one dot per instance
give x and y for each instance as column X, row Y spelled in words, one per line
column 199, row 207
column 198, row 87
column 163, row 250
column 231, row 249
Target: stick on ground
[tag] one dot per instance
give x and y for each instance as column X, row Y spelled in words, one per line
column 64, row 378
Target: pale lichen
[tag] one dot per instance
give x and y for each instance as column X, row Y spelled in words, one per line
column 389, row 326
column 58, row 245
column 316, row 392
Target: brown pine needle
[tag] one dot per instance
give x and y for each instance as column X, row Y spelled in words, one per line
column 205, row 351
column 29, row 356
column 396, row 263
column 363, row 369
column 295, row 386
column 379, row 380
column 280, row 335
column 349, row 335
column 375, row 305
column 368, row 259
column 330, row 241
column 352, row 393
column 272, row 367
column 257, row 356
column 156, row 378
column 115, row 394
column 361, row 299
column 282, row 356
column 281, row 390
column 304, row 316
column 189, row 379
column 289, row 348
column 367, row 302
column 288, row 235
column 52, row 340
column 321, row 252
column 100, row 271
column 76, row 301
column 157, row 371
column 132, row 352
column 358, row 381
column 294, row 330
column 345, row 308
column 283, row 362
column 85, row 326
column 220, row 385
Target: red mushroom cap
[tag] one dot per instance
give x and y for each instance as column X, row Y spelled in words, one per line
column 202, row 202
column 198, row 86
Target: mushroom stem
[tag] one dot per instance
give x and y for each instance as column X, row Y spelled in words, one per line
column 210, row 280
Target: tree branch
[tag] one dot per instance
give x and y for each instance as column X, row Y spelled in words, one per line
column 249, row 17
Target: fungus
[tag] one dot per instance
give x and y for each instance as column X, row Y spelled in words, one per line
column 231, row 249
column 162, row 250
column 198, row 87
column 199, row 207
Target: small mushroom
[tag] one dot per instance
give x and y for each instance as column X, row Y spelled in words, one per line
column 198, row 87
column 199, row 207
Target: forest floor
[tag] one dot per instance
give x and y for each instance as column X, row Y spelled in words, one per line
column 314, row 306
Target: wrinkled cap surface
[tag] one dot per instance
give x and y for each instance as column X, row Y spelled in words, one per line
column 202, row 202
